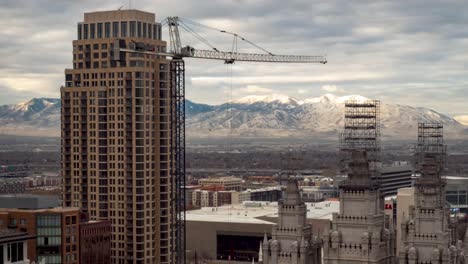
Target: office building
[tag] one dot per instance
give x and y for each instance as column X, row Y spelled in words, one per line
column 116, row 134
column 394, row 176
column 225, row 183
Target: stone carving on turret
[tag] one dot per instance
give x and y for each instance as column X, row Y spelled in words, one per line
column 292, row 240
column 360, row 232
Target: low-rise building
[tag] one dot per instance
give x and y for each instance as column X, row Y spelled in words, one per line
column 56, row 232
column 266, row 194
column 237, row 230
column 13, row 246
column 226, row 183
column 318, row 193
column 29, row 201
column 205, row 198
column 8, row 186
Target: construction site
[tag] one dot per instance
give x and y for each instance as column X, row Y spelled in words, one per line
column 124, row 159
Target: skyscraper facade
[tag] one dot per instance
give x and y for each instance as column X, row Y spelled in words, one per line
column 115, row 134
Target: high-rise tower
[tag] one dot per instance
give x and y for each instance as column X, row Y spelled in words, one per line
column 115, row 134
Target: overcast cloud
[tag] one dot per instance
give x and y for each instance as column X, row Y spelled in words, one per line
column 406, row 52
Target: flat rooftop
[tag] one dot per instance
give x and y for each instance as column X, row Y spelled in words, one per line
column 251, row 212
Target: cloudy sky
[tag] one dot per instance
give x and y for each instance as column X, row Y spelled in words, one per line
column 405, row 52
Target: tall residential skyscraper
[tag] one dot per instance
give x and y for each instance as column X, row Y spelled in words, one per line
column 115, row 134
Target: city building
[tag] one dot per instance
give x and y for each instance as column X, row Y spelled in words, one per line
column 394, row 176
column 55, row 230
column 291, row 240
column 116, row 134
column 13, row 246
column 360, row 231
column 95, row 242
column 12, row 185
column 265, row 194
column 29, row 201
column 235, row 231
column 226, row 183
column 204, row 198
column 456, row 192
column 318, row 193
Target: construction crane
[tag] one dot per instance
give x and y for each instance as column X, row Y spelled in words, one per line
column 177, row 81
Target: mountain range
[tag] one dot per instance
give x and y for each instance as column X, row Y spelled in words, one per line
column 271, row 116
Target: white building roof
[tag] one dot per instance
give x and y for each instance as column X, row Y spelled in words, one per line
column 250, row 212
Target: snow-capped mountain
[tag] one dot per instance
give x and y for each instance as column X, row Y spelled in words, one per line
column 252, row 116
column 36, row 117
column 283, row 116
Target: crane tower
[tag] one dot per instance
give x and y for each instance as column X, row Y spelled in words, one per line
column 177, row 81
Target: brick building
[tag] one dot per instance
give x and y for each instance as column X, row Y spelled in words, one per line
column 95, row 237
column 56, row 231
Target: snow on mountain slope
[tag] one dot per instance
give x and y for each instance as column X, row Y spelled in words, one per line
column 285, row 116
column 36, row 117
column 253, row 116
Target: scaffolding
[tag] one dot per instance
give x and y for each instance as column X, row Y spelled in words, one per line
column 361, row 133
column 178, row 159
column 430, row 158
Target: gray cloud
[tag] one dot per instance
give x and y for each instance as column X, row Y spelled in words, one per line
column 407, row 52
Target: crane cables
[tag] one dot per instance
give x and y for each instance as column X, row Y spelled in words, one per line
column 235, row 35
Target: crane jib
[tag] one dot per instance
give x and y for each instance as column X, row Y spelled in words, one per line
column 230, row 57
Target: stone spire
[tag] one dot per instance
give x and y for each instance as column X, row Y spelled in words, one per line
column 292, row 194
column 260, row 252
column 292, row 237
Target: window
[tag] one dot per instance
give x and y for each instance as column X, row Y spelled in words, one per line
column 92, row 30
column 144, row 29
column 132, row 28
column 99, row 30
column 139, row 29
column 85, row 31
column 104, row 46
column 107, row 29
column 115, row 29
column 79, row 31
column 123, row 29
column 13, row 221
column 22, row 221
column 15, row 252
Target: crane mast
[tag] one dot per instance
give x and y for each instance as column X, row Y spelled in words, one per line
column 177, row 83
